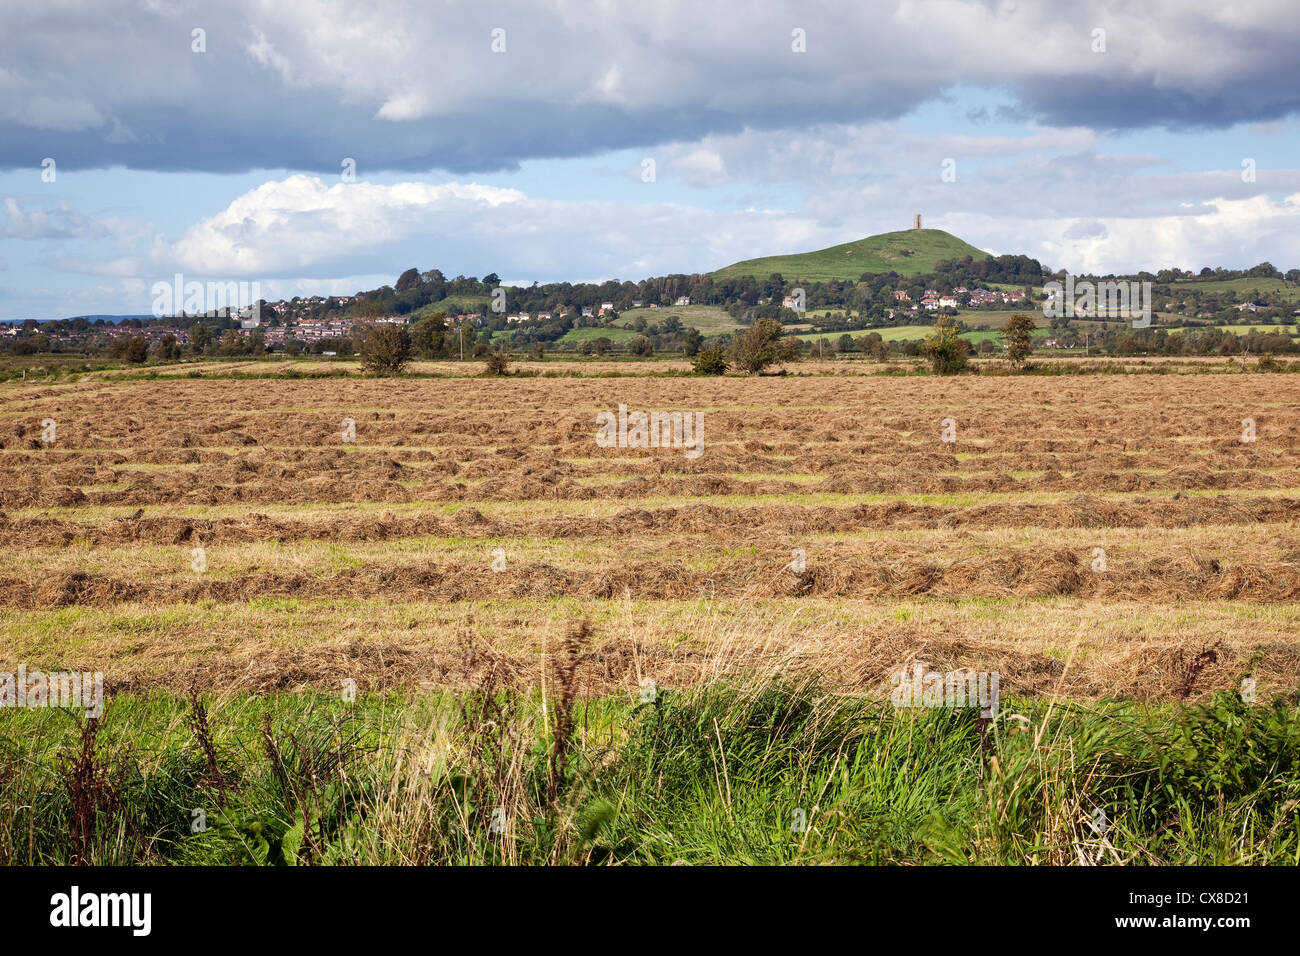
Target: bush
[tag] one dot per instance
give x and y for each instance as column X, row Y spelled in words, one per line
column 764, row 344
column 385, row 349
column 692, row 342
column 947, row 351
column 711, row 362
column 498, row 362
column 1230, row 751
column 137, row 349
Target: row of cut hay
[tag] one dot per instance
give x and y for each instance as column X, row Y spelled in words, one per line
column 392, row 482
column 771, row 639
column 1031, row 573
column 729, row 523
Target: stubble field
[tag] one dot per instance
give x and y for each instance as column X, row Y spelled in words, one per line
column 1091, row 540
column 373, row 559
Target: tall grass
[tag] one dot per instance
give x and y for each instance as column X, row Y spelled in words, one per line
column 768, row 772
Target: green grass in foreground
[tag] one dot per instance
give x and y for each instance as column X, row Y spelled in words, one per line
column 765, row 774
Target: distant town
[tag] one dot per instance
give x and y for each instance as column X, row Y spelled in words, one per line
column 878, row 313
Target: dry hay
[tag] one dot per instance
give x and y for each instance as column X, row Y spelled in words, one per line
column 857, row 462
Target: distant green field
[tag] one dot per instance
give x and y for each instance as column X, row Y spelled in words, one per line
column 997, row 319
column 709, row 319
column 1241, row 288
column 898, row 333
column 976, row 320
column 905, row 333
column 1242, row 329
column 993, row 335
column 612, row 333
column 911, row 252
column 983, row 324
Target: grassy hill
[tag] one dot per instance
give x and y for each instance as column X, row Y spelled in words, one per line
column 453, row 305
column 911, row 252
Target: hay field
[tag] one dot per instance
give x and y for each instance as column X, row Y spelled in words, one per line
column 373, row 560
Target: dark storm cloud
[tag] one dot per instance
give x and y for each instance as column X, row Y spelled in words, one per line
column 404, row 86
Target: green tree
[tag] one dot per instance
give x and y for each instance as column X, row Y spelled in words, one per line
column 168, row 350
column 409, row 279
column 137, row 349
column 1018, row 334
column 692, row 340
column 429, row 335
column 199, row 337
column 367, row 309
column 640, row 346
column 948, row 353
column 711, row 362
column 231, row 343
column 764, row 344
column 385, row 348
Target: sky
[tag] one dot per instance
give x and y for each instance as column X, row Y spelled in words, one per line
column 325, row 146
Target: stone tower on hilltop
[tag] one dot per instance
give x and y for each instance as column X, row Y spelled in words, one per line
column 916, row 223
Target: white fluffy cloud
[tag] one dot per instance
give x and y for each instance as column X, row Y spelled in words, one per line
column 300, row 222
column 299, row 231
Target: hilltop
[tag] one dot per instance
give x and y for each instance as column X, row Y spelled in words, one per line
column 910, row 252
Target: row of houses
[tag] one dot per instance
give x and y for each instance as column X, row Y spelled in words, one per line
column 312, row 330
column 588, row 312
column 932, row 299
